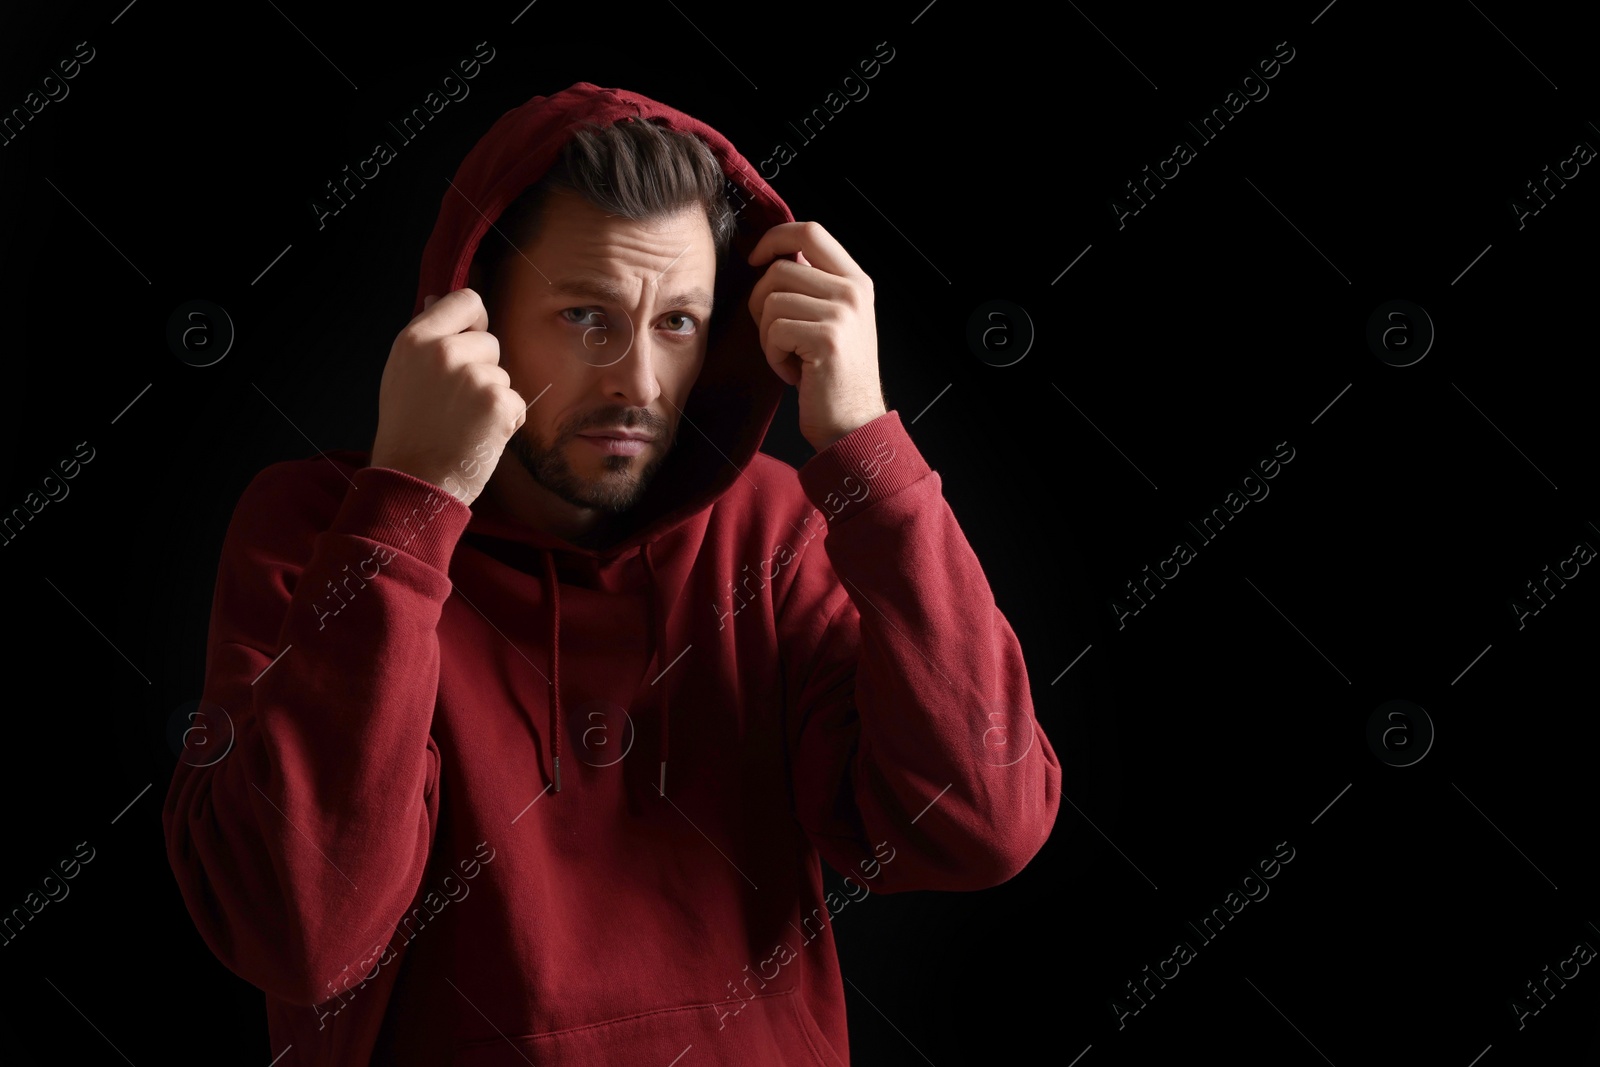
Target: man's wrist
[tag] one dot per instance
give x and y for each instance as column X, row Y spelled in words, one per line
column 822, row 444
column 447, row 483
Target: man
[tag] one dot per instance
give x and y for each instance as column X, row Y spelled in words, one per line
column 448, row 830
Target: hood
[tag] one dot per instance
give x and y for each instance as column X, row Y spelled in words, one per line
column 729, row 408
column 736, row 394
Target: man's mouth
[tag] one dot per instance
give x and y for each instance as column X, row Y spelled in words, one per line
column 617, row 442
column 632, row 435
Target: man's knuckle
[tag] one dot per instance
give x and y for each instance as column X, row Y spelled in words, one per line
column 486, row 375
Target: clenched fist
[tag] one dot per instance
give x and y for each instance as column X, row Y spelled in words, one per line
column 817, row 329
column 445, row 406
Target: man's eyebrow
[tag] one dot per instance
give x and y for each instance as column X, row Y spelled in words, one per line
column 604, row 289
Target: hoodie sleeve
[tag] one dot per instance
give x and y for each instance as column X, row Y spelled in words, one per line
column 304, row 844
column 916, row 758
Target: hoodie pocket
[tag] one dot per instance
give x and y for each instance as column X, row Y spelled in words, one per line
column 772, row 1029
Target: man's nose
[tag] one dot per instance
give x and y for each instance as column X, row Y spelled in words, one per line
column 631, row 380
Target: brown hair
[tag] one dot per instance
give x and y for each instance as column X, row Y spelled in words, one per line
column 639, row 170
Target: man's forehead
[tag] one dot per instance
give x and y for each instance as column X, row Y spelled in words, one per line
column 582, row 251
column 594, row 286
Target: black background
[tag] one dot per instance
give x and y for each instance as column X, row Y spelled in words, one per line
column 1179, row 349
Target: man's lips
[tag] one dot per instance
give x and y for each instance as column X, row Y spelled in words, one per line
column 617, row 442
column 627, row 435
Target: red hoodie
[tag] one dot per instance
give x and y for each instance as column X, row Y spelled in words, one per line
column 383, row 849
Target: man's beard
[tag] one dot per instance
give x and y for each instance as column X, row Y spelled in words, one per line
column 549, row 467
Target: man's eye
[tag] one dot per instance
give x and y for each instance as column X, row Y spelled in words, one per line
column 582, row 316
column 687, row 321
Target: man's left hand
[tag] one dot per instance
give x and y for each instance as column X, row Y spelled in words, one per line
column 817, row 329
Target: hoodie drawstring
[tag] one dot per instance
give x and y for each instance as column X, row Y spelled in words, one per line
column 658, row 616
column 555, row 666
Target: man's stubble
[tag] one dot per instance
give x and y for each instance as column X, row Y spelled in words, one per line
column 548, row 465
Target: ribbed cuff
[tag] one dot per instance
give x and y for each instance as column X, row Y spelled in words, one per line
column 403, row 512
column 870, row 463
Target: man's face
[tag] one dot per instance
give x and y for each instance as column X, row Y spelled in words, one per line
column 602, row 327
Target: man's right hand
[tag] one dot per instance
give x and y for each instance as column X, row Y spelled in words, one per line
column 445, row 406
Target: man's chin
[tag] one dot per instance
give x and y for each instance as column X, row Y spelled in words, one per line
column 609, row 495
column 612, row 484
column 575, row 474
